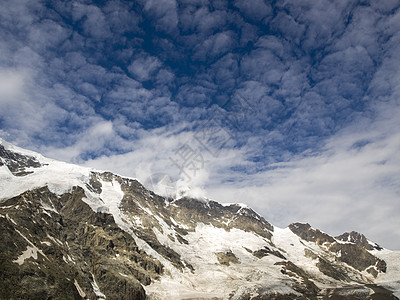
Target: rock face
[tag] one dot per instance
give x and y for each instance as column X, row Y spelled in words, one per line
column 359, row 239
column 73, row 233
column 17, row 163
column 307, row 233
column 191, row 211
column 53, row 244
column 354, row 253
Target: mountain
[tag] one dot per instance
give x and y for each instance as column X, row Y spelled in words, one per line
column 70, row 232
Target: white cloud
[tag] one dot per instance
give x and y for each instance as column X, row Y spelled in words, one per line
column 164, row 14
column 201, row 19
column 65, row 92
column 94, row 22
column 10, row 11
column 289, row 27
column 215, row 45
column 340, row 189
column 47, row 34
column 94, row 139
column 150, row 154
column 255, row 64
column 11, row 85
column 144, row 66
column 256, row 10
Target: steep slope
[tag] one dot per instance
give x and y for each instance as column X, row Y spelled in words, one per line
column 71, row 232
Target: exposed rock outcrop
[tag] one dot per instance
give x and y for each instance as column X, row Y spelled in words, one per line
column 17, row 163
column 307, row 233
column 359, row 239
column 70, row 246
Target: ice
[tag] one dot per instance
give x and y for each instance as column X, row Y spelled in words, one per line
column 211, row 279
column 390, row 279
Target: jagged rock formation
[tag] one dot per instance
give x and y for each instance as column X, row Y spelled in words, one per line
column 17, row 163
column 69, row 233
column 65, row 244
column 359, row 239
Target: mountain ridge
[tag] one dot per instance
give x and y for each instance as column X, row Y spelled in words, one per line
column 88, row 224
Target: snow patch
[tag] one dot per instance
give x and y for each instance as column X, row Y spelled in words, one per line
column 79, row 289
column 29, row 252
column 390, row 279
column 96, row 289
column 210, row 278
column 57, row 241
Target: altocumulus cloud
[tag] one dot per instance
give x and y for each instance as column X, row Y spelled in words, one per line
column 306, row 95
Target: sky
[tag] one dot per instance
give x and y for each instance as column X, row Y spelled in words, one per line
column 291, row 107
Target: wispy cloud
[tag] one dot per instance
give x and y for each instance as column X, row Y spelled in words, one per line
column 352, row 184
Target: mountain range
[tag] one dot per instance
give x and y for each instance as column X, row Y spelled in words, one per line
column 70, row 232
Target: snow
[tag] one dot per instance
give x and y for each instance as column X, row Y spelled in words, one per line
column 58, row 176
column 96, row 289
column 242, row 205
column 47, row 207
column 10, row 219
column 79, row 289
column 57, row 241
column 112, row 196
column 29, row 252
column 295, row 251
column 210, row 278
column 390, row 279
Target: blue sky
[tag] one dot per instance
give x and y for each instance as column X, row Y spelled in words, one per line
column 291, row 107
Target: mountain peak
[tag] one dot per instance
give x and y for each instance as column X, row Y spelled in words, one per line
column 306, row 232
column 359, row 239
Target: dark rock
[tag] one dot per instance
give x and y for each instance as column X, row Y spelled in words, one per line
column 357, row 257
column 225, row 258
column 307, row 288
column 94, row 184
column 307, row 233
column 372, row 271
column 192, row 211
column 360, row 292
column 359, row 239
column 331, row 270
column 277, row 296
column 17, row 163
column 266, row 251
column 381, row 293
column 86, row 243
